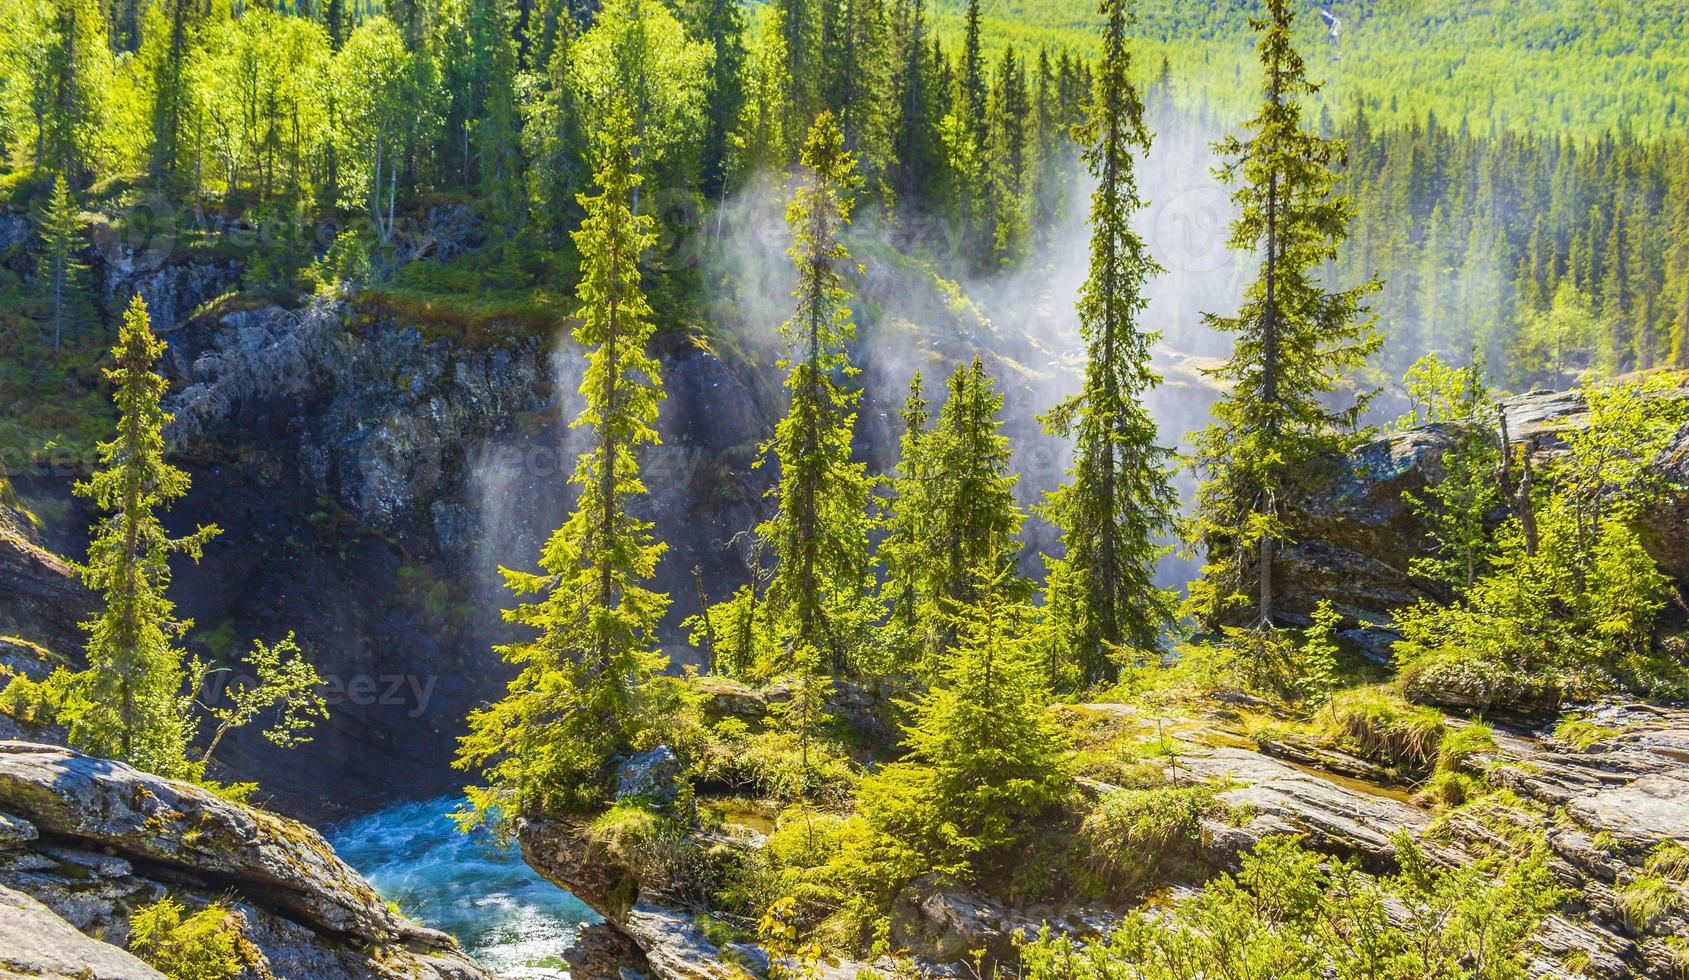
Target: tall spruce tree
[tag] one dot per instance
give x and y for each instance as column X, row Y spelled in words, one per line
column 760, row 142
column 167, row 58
column 576, row 702
column 59, row 269
column 132, row 706
column 724, row 29
column 819, row 595
column 1294, row 338
column 1102, row 594
column 1677, row 267
column 1011, row 106
column 914, row 133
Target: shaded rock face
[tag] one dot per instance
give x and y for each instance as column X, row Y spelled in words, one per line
column 111, row 839
column 41, row 599
column 369, row 481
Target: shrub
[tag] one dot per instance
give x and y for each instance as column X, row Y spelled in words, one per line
column 1580, row 733
column 1385, row 728
column 202, row 946
column 1458, row 745
column 1291, row 912
column 658, row 850
column 1646, row 899
column 1447, row 788
column 1135, row 838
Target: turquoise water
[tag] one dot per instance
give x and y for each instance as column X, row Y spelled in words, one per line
column 506, row 916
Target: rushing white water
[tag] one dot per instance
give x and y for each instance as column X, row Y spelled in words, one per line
column 506, row 916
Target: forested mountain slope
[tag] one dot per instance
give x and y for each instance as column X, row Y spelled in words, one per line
column 1583, row 67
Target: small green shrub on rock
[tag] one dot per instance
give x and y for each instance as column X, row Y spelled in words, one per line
column 1291, row 912
column 1385, row 728
column 1135, row 838
column 202, row 946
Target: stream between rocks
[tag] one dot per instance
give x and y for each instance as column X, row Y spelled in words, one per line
column 507, row 917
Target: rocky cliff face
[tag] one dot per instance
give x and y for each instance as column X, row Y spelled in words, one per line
column 84, row 842
column 1356, row 538
column 369, row 481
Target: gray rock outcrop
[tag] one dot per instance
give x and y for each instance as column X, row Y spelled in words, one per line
column 35, row 942
column 110, row 839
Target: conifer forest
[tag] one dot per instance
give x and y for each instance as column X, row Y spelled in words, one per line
column 800, row 489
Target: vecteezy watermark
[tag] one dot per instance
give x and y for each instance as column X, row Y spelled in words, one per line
column 1192, row 228
column 413, row 692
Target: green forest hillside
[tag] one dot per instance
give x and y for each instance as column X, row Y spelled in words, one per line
column 1562, row 66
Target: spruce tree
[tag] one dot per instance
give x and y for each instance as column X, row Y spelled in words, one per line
column 724, row 29
column 59, row 269
column 800, row 26
column 576, row 702
column 970, row 498
column 914, row 137
column 761, row 141
column 857, row 80
column 819, row 595
column 1677, row 268
column 902, row 553
column 171, row 94
column 1119, row 502
column 131, row 707
column 968, row 139
column 1050, row 152
column 1010, row 108
column 1294, row 338
column 983, row 755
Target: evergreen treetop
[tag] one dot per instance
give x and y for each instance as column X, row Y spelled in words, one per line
column 819, row 595
column 133, row 709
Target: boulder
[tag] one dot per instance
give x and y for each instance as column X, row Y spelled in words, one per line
column 941, row 921
column 653, row 776
column 15, row 832
column 73, row 795
column 112, row 838
column 563, row 853
column 35, row 942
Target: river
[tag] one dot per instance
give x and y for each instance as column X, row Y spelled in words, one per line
column 502, row 913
